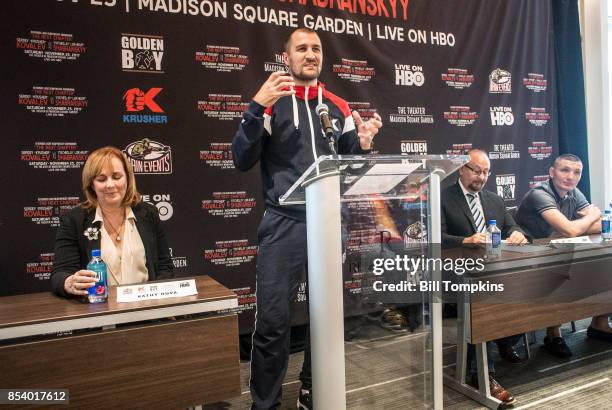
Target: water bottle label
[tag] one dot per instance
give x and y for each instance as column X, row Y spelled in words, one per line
column 98, row 292
column 496, row 239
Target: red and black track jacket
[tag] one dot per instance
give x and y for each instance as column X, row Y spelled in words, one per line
column 287, row 138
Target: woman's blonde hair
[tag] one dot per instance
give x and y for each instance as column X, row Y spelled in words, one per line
column 93, row 166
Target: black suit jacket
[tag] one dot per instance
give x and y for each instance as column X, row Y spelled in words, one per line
column 458, row 222
column 73, row 248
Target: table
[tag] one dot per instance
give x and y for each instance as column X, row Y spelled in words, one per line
column 167, row 353
column 544, row 288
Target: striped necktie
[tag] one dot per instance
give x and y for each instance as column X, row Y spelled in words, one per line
column 479, row 221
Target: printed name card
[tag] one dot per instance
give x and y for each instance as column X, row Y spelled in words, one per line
column 151, row 291
column 578, row 239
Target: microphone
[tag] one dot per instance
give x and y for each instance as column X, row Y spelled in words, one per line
column 323, row 113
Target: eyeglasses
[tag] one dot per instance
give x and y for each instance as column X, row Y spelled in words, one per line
column 478, row 171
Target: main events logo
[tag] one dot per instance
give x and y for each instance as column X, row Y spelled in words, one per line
column 500, row 81
column 142, row 53
column 149, row 157
column 137, row 100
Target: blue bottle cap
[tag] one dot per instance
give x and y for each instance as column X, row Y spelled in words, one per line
column 96, row 253
column 607, row 211
column 492, row 222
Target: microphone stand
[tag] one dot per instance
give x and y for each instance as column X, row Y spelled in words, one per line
column 331, row 143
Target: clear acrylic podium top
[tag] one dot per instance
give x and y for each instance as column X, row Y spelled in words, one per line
column 369, row 177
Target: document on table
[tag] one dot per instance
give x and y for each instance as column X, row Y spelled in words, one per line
column 577, row 239
column 524, row 248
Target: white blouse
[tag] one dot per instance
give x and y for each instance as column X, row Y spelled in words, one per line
column 126, row 262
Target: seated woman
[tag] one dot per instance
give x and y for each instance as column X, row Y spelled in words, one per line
column 112, row 218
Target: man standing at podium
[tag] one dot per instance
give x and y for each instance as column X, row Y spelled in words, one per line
column 281, row 130
column 466, row 208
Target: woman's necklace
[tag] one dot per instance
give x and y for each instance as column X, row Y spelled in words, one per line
column 117, row 232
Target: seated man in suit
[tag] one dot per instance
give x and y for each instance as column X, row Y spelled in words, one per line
column 465, row 209
column 557, row 208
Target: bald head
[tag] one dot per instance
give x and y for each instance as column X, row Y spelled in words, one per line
column 474, row 174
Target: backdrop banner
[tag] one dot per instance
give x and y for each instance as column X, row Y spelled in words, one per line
column 167, row 82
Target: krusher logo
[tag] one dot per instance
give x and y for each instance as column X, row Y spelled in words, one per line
column 413, row 147
column 500, row 81
column 142, row 53
column 409, row 75
column 163, row 203
column 506, row 186
column 501, row 116
column 137, row 100
column 149, row 157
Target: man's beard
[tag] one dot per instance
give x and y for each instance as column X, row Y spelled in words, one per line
column 476, row 186
column 304, row 77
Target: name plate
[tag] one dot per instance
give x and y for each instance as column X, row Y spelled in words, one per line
column 577, row 239
column 151, row 291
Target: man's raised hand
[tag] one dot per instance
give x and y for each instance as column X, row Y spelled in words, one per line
column 278, row 85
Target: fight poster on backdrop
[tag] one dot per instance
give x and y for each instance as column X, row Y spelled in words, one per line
column 168, row 80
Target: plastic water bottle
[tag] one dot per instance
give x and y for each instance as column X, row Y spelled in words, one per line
column 99, row 292
column 605, row 225
column 493, row 239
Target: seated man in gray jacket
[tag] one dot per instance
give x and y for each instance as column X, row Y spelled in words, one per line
column 557, row 208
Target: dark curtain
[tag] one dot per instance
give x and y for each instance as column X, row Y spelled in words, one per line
column 571, row 106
